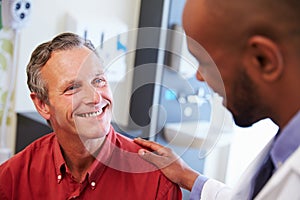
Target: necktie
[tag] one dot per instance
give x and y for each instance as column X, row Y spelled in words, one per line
column 263, row 176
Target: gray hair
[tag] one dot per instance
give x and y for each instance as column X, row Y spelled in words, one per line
column 42, row 54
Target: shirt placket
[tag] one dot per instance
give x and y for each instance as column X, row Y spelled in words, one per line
column 76, row 189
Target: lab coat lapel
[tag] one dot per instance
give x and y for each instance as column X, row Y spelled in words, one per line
column 284, row 184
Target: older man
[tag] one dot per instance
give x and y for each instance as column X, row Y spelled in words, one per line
column 84, row 158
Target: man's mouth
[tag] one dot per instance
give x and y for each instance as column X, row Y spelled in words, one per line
column 92, row 114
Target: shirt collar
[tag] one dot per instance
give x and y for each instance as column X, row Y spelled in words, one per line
column 288, row 140
column 96, row 169
column 103, row 158
column 59, row 162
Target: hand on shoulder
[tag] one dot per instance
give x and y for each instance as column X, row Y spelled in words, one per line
column 171, row 165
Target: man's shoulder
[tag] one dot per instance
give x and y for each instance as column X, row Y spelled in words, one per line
column 126, row 159
column 30, row 153
column 45, row 141
column 126, row 143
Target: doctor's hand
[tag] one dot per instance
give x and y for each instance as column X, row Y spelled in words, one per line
column 171, row 165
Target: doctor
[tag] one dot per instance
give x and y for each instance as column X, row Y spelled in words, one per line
column 256, row 46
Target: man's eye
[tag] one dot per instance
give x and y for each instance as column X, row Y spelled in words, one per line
column 71, row 88
column 99, row 82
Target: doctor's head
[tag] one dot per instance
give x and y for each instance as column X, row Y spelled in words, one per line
column 255, row 45
column 69, row 88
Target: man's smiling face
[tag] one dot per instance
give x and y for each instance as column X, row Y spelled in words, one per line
column 80, row 100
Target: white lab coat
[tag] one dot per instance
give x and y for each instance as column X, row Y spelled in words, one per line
column 283, row 185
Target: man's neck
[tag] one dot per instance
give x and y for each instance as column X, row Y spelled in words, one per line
column 285, row 116
column 79, row 155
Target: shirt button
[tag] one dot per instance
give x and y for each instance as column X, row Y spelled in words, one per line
column 59, row 178
column 93, row 184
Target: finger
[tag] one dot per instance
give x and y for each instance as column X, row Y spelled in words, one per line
column 148, row 144
column 151, row 157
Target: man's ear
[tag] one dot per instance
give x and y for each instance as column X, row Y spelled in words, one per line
column 266, row 57
column 41, row 106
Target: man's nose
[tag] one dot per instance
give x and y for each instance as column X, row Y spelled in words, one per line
column 93, row 95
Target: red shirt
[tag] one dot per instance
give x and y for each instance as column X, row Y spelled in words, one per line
column 40, row 172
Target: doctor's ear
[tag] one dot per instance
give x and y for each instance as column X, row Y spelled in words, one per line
column 266, row 58
column 41, row 106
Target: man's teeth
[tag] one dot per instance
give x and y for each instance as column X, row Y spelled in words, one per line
column 91, row 114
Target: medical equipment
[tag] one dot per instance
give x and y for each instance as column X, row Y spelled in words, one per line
column 15, row 14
